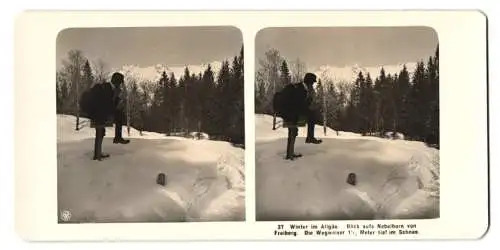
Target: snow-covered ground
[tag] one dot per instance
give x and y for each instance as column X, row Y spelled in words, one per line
column 205, row 179
column 396, row 178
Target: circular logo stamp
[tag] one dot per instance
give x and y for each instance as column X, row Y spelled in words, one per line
column 65, row 215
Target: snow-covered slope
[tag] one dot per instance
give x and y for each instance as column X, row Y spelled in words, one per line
column 396, row 178
column 205, row 179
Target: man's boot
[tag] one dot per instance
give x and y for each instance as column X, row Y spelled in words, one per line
column 97, row 149
column 310, row 130
column 289, row 148
column 120, row 141
column 294, row 155
column 101, row 157
column 118, row 134
column 98, row 155
column 313, row 140
column 290, row 152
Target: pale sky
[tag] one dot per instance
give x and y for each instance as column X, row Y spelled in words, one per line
column 144, row 47
column 346, row 46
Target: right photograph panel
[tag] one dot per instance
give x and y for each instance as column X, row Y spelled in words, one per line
column 347, row 123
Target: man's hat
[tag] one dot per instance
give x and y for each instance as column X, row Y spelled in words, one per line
column 310, row 77
column 117, row 77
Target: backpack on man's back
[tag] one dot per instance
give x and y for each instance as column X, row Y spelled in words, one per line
column 96, row 103
column 281, row 100
column 88, row 101
column 289, row 104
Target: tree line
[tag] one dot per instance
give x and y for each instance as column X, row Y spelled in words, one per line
column 197, row 102
column 405, row 102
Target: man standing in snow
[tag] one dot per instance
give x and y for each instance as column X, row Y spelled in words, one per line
column 108, row 100
column 297, row 102
column 293, row 110
column 117, row 80
column 307, row 85
column 101, row 111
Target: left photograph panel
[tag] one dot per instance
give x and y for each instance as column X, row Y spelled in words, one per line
column 150, row 124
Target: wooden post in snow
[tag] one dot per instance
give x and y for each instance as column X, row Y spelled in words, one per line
column 274, row 121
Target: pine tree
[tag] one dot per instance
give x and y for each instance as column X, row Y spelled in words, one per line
column 223, row 98
column 284, row 80
column 156, row 112
column 242, row 62
column 354, row 111
column 193, row 99
column 402, row 89
column 88, row 77
column 285, row 77
column 430, row 74
column 333, row 106
column 382, row 93
column 237, row 114
column 389, row 100
column 209, row 113
column 368, row 105
column 166, row 103
column 435, row 88
column 199, row 102
column 364, row 105
column 185, row 86
column 417, row 103
column 173, row 100
column 432, row 122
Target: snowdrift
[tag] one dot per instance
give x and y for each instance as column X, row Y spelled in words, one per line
column 199, row 136
column 396, row 178
column 205, row 180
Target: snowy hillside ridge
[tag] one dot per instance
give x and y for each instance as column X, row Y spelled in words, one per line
column 67, row 123
column 396, row 178
column 205, row 180
column 265, row 121
column 264, row 124
column 349, row 74
column 153, row 73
